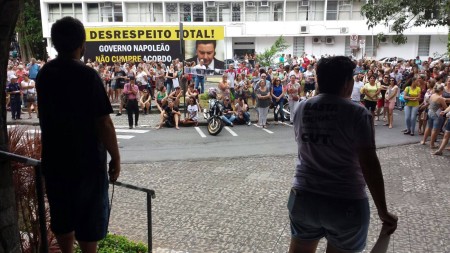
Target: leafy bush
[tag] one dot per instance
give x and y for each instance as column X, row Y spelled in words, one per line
column 28, row 144
column 118, row 244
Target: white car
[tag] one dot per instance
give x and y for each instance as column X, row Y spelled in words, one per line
column 443, row 57
column 390, row 60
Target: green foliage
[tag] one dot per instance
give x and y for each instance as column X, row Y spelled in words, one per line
column 404, row 14
column 266, row 58
column 118, row 244
column 29, row 28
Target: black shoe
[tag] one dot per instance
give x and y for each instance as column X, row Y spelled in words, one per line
column 118, row 114
column 412, row 134
column 131, row 127
column 407, row 132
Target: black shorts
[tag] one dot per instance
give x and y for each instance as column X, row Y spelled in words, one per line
column 119, row 86
column 370, row 105
column 80, row 205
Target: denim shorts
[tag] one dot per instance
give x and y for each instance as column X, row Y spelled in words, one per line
column 79, row 205
column 434, row 120
column 447, row 127
column 343, row 222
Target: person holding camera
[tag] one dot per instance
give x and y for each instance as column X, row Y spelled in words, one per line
column 293, row 89
column 228, row 114
column 131, row 91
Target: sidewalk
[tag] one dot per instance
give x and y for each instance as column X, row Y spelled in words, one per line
column 239, row 205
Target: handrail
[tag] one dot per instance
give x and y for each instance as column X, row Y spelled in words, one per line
column 41, row 202
column 39, row 192
column 150, row 195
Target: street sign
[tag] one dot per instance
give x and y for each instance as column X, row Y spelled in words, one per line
column 354, row 41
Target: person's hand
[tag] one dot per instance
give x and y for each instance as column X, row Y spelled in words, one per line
column 114, row 170
column 389, row 222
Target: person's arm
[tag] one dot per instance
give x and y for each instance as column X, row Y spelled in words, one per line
column 373, row 176
column 107, row 135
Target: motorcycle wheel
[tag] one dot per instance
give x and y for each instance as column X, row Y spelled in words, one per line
column 287, row 112
column 215, row 125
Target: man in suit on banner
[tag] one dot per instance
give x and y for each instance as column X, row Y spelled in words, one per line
column 206, row 50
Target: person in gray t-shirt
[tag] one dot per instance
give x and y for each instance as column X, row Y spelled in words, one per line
column 336, row 159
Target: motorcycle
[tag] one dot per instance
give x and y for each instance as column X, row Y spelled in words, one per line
column 212, row 116
column 285, row 107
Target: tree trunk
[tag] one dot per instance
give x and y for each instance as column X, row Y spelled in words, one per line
column 9, row 231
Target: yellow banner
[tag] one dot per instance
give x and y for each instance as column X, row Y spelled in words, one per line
column 154, row 33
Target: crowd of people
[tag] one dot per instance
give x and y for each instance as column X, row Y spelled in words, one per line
column 419, row 88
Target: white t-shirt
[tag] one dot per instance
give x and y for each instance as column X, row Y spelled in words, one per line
column 142, row 77
column 329, row 130
column 193, row 112
column 356, row 93
column 24, row 84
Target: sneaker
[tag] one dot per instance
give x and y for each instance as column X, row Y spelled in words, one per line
column 231, row 125
column 118, row 114
column 249, row 123
column 131, row 127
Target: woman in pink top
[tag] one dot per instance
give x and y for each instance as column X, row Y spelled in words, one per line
column 131, row 90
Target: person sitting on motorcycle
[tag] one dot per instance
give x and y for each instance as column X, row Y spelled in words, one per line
column 243, row 116
column 170, row 116
column 228, row 114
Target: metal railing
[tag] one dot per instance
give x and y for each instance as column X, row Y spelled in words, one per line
column 150, row 195
column 41, row 201
column 39, row 193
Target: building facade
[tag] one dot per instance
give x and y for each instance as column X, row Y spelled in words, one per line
column 317, row 27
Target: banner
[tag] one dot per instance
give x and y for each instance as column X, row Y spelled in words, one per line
column 121, row 44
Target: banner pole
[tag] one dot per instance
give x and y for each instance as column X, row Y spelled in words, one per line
column 183, row 79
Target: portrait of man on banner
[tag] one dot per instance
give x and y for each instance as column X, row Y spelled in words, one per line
column 206, row 50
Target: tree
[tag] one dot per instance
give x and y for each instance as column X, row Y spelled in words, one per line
column 266, row 58
column 29, row 30
column 404, row 14
column 9, row 231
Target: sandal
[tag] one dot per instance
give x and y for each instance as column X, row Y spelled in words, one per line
column 422, row 143
column 385, row 124
column 437, row 153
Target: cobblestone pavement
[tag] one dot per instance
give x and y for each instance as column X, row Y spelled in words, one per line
column 239, row 205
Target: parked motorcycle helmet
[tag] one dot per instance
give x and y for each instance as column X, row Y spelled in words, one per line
column 212, row 92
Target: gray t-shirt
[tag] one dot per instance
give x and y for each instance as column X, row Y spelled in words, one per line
column 329, row 130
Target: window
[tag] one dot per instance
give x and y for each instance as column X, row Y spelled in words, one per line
column 291, row 11
column 348, row 50
column 299, row 46
column 332, row 10
column 356, row 10
column 224, row 12
column 93, row 12
column 369, row 50
column 237, row 14
column 250, row 11
column 424, row 45
column 316, row 10
column 344, row 10
column 106, row 12
column 139, row 12
column 118, row 14
column 157, row 12
column 133, row 12
column 57, row 11
column 263, row 11
column 198, row 12
column 172, row 12
column 54, row 12
column 211, row 13
column 278, row 11
column 185, row 11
